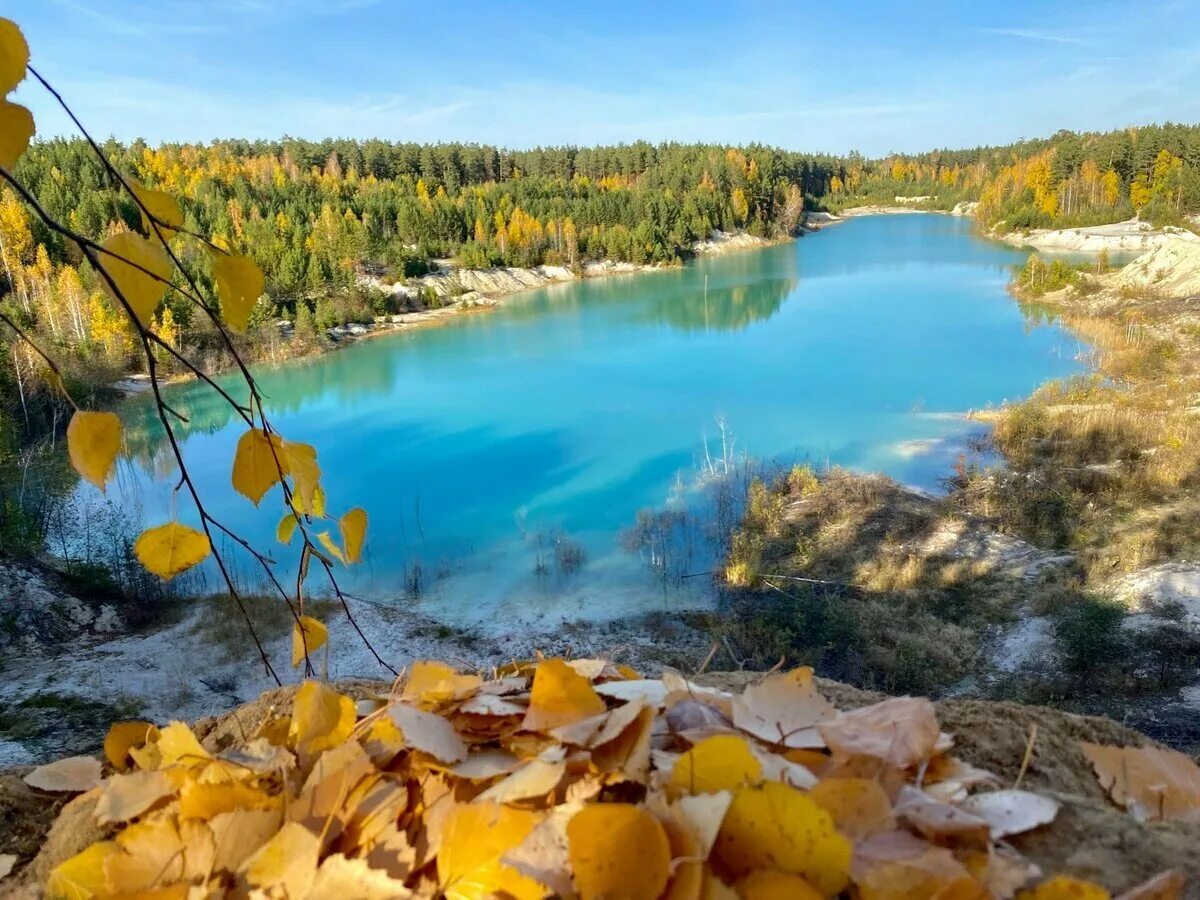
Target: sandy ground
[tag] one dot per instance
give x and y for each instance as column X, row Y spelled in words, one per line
column 1131, row 236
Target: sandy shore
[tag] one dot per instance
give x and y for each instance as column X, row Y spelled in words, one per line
column 1131, row 236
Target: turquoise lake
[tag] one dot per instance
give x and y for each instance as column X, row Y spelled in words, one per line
column 475, row 446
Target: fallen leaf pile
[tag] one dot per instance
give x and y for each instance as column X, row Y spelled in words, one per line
column 555, row 778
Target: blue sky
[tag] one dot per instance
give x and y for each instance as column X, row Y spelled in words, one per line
column 874, row 76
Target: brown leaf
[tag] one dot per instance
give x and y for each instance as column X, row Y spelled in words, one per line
column 936, row 820
column 1166, row 885
column 428, row 733
column 783, row 709
column 1151, row 782
column 901, row 730
column 340, row 878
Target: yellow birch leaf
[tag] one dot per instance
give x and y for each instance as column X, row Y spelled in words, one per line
column 170, row 549
column 777, row 827
column 618, row 850
column 783, row 709
column 14, row 55
column 314, row 636
column 560, row 696
column 239, row 285
column 719, row 763
column 176, row 743
column 93, row 441
column 474, row 838
column 82, row 876
column 340, row 877
column 123, row 737
column 353, row 526
column 321, row 718
column 287, row 861
column 16, row 131
column 330, row 544
column 258, row 464
column 431, row 683
column 767, row 884
column 206, row 801
column 163, row 207
column 142, row 291
column 306, row 478
column 286, row 528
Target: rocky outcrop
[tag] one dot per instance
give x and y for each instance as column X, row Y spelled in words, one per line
column 1133, row 235
column 41, row 612
column 965, row 208
column 1172, row 268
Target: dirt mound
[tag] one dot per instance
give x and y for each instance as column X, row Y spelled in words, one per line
column 1090, row 839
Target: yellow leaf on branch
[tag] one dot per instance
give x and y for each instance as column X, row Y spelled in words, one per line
column 93, row 441
column 257, row 464
column 313, row 637
column 140, row 275
column 14, row 55
column 353, row 526
column 170, row 549
column 331, row 546
column 286, row 529
column 162, row 206
column 239, row 285
column 16, row 131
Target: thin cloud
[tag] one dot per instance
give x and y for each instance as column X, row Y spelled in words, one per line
column 1034, row 34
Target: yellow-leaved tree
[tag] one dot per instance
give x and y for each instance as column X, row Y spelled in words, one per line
column 138, row 272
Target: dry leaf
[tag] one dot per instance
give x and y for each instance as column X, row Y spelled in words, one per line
column 536, row 778
column 719, row 763
column 859, row 807
column 431, row 684
column 935, row 820
column 428, row 733
column 901, row 730
column 73, row 775
column 560, row 696
column 1012, row 811
column 783, row 709
column 1152, row 783
column 894, row 865
column 321, row 718
column 767, row 884
column 240, row 833
column 340, row 878
column 127, row 796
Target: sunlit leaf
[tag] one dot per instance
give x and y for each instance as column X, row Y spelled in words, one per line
column 1063, row 887
column 307, row 497
column 767, row 884
column 14, row 55
column 170, row 549
column 239, row 285
column 163, row 207
column 474, row 839
column 257, row 464
column 82, row 875
column 93, row 441
column 330, row 545
column 286, row 528
column 353, row 526
column 287, row 862
column 313, row 637
column 559, row 697
column 126, row 796
column 16, row 131
column 140, row 275
column 321, row 717
column 721, row 762
column 177, row 743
